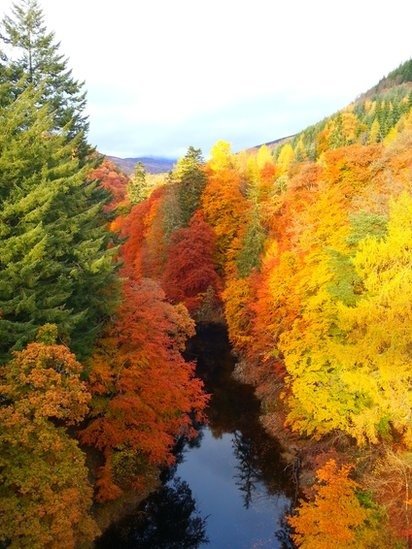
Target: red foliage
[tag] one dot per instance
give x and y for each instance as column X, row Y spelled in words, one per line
column 112, row 180
column 190, row 269
column 144, row 391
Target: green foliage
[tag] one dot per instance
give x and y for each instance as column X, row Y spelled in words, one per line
column 344, row 283
column 55, row 266
column 191, row 181
column 368, row 120
column 366, row 224
column 171, row 211
column 129, row 464
column 35, row 61
column 137, row 188
column 47, row 334
column 401, row 74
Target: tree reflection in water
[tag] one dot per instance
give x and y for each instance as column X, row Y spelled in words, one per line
column 247, row 471
column 168, row 519
column 231, row 456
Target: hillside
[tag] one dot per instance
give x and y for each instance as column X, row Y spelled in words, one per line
column 370, row 118
column 272, row 144
column 298, row 251
column 401, row 75
column 152, row 164
column 306, row 250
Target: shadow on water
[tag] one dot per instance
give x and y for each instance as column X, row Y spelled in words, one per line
column 229, row 487
column 167, row 519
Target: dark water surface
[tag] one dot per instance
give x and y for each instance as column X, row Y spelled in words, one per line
column 229, row 488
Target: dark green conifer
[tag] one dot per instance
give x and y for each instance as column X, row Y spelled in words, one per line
column 33, row 59
column 191, row 182
column 55, row 266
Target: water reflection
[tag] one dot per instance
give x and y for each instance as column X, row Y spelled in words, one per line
column 247, row 474
column 168, row 519
column 229, row 488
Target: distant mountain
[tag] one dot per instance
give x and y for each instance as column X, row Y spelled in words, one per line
column 152, row 164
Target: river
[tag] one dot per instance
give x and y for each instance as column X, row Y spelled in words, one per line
column 229, row 488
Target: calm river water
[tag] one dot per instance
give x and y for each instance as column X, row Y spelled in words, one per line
column 229, row 488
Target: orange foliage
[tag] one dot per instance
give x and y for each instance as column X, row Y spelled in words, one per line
column 225, row 209
column 332, row 519
column 155, row 248
column 350, row 167
column 143, row 251
column 45, row 495
column 144, row 391
column 237, row 297
column 44, row 382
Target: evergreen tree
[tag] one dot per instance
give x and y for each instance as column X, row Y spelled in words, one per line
column 55, row 265
column 34, row 60
column 191, row 182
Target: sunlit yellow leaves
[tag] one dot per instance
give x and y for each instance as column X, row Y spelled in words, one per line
column 377, row 347
column 221, row 156
column 285, row 158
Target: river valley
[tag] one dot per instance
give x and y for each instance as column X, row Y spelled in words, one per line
column 229, row 488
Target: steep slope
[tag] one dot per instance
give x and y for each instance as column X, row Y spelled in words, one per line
column 401, row 75
column 311, row 245
column 371, row 118
column 368, row 119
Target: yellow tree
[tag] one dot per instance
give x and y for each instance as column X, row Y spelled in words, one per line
column 223, row 204
column 45, row 495
column 315, row 396
column 285, row 158
column 375, row 355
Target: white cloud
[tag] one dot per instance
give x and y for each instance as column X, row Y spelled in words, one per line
column 163, row 74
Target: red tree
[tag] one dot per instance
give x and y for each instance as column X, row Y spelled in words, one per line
column 190, row 269
column 144, row 391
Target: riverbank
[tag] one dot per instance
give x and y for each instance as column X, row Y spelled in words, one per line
column 230, row 485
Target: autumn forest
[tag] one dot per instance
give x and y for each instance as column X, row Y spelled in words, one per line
column 302, row 250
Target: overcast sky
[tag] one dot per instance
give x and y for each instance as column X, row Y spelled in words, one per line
column 165, row 74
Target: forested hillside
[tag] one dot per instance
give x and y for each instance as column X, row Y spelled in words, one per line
column 307, row 251
column 303, row 251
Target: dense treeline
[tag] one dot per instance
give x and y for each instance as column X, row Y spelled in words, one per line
column 305, row 251
column 90, row 351
column 371, row 119
column 310, row 257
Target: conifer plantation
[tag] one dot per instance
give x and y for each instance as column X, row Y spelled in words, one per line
column 302, row 249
